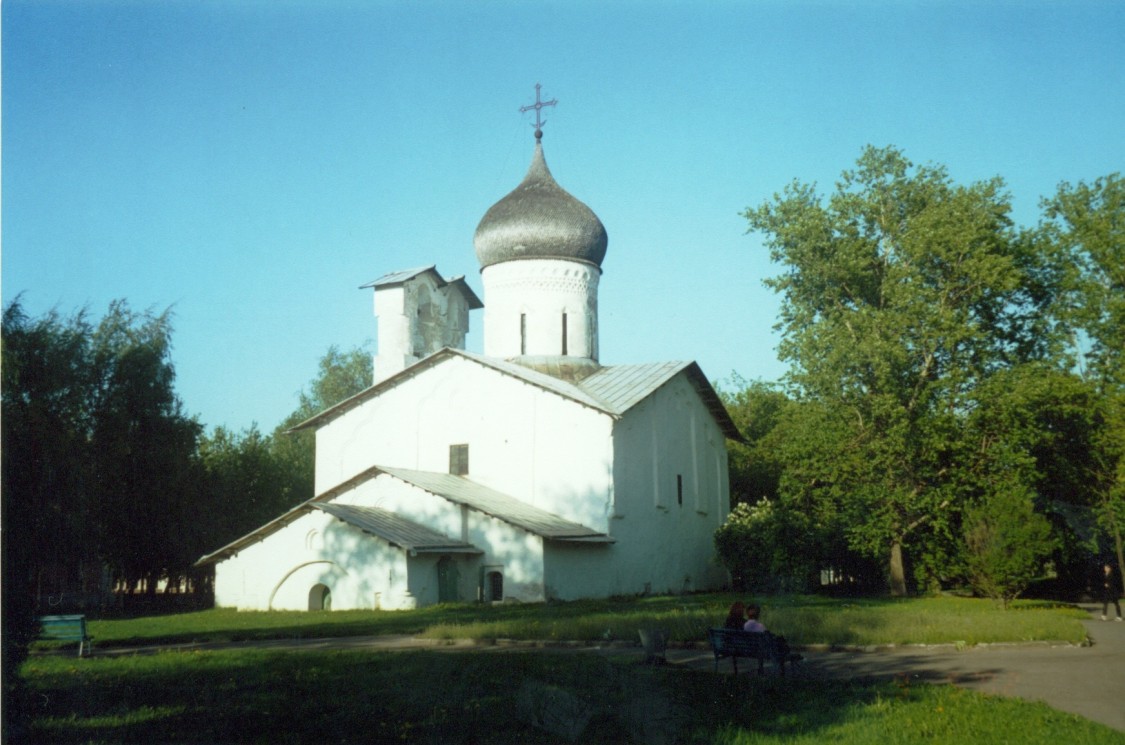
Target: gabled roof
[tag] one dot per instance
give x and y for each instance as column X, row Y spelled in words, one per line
column 405, row 275
column 612, row 390
column 460, row 490
column 410, row 535
column 261, row 533
column 396, row 530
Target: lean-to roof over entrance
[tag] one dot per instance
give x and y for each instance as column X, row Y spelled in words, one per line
column 460, row 490
column 396, row 530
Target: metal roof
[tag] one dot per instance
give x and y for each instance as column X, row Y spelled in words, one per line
column 397, row 278
column 622, row 387
column 542, row 380
column 617, row 388
column 612, row 390
column 460, row 490
column 261, row 533
column 396, row 530
column 539, row 219
column 564, row 388
column 413, row 536
column 405, row 275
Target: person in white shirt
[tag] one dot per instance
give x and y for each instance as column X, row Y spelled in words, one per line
column 753, row 624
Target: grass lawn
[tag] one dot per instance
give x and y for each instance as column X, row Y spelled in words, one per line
column 254, row 696
column 803, row 619
column 494, row 694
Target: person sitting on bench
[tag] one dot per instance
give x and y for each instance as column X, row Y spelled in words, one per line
column 736, row 618
column 753, row 625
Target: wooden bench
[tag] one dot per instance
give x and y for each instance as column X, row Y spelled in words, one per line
column 66, row 628
column 760, row 646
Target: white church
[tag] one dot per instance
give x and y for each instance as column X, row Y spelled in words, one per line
column 527, row 473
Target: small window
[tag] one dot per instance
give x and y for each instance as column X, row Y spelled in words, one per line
column 459, row 460
column 523, row 333
column 680, row 489
column 564, row 335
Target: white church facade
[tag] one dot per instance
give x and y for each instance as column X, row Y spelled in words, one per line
column 530, row 472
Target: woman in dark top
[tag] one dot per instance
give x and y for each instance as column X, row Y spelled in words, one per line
column 736, row 617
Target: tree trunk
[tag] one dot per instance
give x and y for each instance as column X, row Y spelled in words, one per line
column 897, row 572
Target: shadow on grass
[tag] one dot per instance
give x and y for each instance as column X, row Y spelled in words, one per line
column 407, row 696
column 465, row 697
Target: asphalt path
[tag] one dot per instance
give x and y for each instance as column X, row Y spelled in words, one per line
column 1084, row 680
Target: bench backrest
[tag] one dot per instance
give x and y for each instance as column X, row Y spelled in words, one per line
column 63, row 626
column 734, row 642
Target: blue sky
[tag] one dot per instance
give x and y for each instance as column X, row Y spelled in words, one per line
column 252, row 163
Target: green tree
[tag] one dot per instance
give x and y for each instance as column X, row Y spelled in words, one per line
column 340, row 375
column 251, row 478
column 47, row 388
column 96, row 460
column 900, row 293
column 778, row 537
column 756, row 408
column 143, row 449
column 44, row 398
column 246, row 484
column 1087, row 222
column 768, row 548
column 1007, row 541
column 1043, row 422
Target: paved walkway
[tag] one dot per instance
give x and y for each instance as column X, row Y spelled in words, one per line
column 1088, row 681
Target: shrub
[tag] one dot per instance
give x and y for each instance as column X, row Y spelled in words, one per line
column 1006, row 541
column 767, row 548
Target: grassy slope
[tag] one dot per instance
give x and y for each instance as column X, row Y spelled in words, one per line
column 804, row 620
column 348, row 696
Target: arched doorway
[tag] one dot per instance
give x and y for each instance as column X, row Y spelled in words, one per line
column 320, row 597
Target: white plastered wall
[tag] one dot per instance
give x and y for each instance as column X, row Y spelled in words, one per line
column 665, row 544
column 519, row 553
column 278, row 572
column 524, row 441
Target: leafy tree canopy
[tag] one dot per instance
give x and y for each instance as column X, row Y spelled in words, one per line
column 1087, row 222
column 902, row 292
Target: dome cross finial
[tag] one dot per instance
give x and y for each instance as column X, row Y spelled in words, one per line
column 538, row 106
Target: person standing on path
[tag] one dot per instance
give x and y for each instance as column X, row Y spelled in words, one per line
column 1110, row 593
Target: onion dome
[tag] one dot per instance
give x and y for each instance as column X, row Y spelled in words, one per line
column 539, row 220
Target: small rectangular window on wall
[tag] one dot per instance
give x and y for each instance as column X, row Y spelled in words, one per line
column 564, row 335
column 680, row 489
column 523, row 333
column 459, row 460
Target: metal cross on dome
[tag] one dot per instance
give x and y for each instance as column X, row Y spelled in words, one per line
column 538, row 106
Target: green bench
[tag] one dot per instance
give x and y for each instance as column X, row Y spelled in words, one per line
column 66, row 628
column 761, row 646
